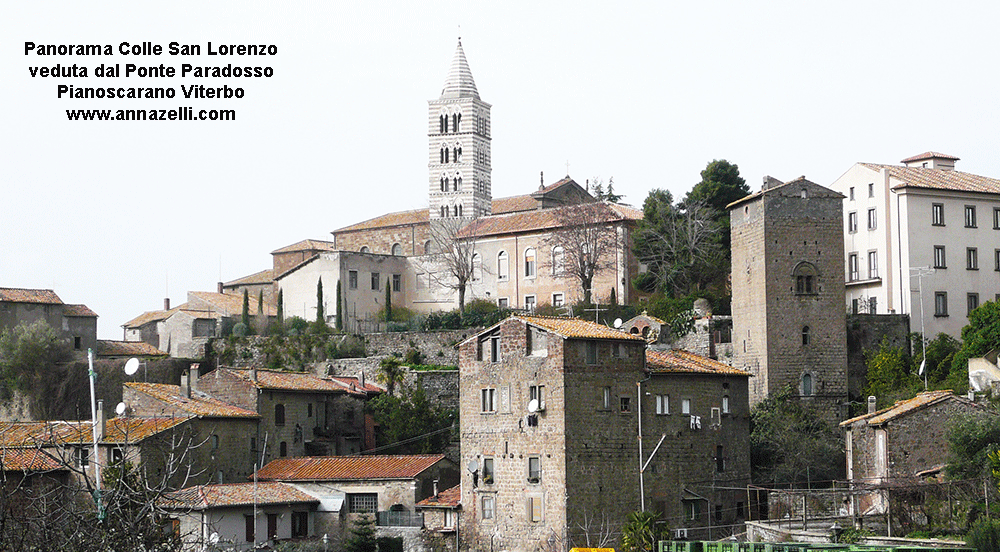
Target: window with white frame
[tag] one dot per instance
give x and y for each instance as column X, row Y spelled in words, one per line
column 606, row 398
column 937, row 214
column 852, row 267
column 558, row 260
column 872, row 219
column 971, row 258
column 939, row 257
column 725, row 404
column 534, row 469
column 852, row 222
column 873, row 264
column 503, row 267
column 663, row 404
column 996, row 218
column 489, row 475
column 529, row 263
column 352, row 279
column 503, row 302
column 558, row 299
column 537, row 393
column 685, row 406
column 397, row 282
column 489, row 506
column 970, row 216
column 529, row 303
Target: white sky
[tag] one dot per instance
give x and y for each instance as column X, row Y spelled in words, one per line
column 119, row 215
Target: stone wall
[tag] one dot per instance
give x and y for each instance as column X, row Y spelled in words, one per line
column 865, row 333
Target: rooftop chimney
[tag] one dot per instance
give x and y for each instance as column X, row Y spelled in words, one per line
column 220, row 287
column 186, row 384
column 195, row 374
column 435, row 488
column 361, row 378
column 770, row 182
column 253, row 374
column 166, row 303
column 541, row 180
column 871, row 404
column 102, row 423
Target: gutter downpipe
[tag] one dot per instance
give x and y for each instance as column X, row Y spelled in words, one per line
column 638, row 384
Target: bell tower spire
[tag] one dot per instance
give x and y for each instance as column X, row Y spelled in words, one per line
column 459, row 136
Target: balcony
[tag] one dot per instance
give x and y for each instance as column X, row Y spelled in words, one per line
column 400, row 518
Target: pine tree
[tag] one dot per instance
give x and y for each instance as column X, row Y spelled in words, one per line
column 320, row 316
column 388, row 300
column 340, row 309
column 362, row 538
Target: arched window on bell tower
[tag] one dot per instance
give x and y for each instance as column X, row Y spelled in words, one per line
column 441, row 123
column 457, row 185
column 455, row 119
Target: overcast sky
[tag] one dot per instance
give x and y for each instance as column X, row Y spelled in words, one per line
column 120, row 215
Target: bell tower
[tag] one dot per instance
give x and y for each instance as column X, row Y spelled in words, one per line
column 459, row 147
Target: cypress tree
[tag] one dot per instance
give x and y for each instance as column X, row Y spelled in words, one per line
column 281, row 306
column 614, row 296
column 388, row 300
column 320, row 316
column 245, row 318
column 340, row 309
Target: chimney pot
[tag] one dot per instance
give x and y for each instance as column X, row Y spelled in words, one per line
column 871, row 404
column 166, row 303
column 195, row 374
column 361, row 378
column 102, row 424
column 220, row 287
column 186, row 384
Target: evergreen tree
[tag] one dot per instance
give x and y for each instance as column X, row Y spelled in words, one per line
column 388, row 300
column 362, row 538
column 613, row 300
column 320, row 316
column 340, row 309
column 245, row 318
column 281, row 306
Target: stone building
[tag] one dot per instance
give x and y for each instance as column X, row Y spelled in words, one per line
column 76, row 324
column 922, row 225
column 890, row 447
column 789, row 320
column 441, row 518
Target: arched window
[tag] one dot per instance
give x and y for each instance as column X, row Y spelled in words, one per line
column 529, row 262
column 805, row 335
column 283, row 449
column 427, row 247
column 477, row 267
column 459, row 210
column 279, row 414
column 364, row 249
column 503, row 267
column 455, row 119
column 458, row 182
column 442, row 155
column 558, row 260
column 458, row 154
column 446, row 154
column 445, row 123
column 441, row 123
column 807, row 385
column 805, row 278
column 397, row 250
column 444, row 211
column 443, row 185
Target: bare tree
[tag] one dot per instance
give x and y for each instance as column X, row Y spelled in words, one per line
column 451, row 261
column 585, row 242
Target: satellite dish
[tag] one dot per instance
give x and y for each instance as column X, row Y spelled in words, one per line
column 533, row 406
column 120, row 409
column 132, row 366
column 473, row 466
column 618, row 322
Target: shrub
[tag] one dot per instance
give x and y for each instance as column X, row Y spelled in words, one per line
column 240, row 330
column 984, row 535
column 413, row 357
column 298, row 324
column 351, row 347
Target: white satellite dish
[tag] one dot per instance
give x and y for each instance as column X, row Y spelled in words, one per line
column 473, row 465
column 533, row 406
column 120, row 409
column 132, row 366
column 618, row 322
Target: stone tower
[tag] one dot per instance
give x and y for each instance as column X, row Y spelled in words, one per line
column 789, row 319
column 459, row 136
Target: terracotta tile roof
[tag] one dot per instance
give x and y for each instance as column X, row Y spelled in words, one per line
column 922, row 400
column 937, row 179
column 201, row 497
column 306, row 245
column 117, row 431
column 262, row 277
column 555, row 185
column 536, row 220
column 126, row 348
column 684, row 362
column 354, row 384
column 18, row 295
column 78, row 310
column 399, row 218
column 929, row 155
column 28, row 459
column 449, row 498
column 576, row 328
column 337, row 468
column 514, row 203
column 150, row 316
column 231, row 304
column 199, row 404
column 201, row 314
column 297, row 381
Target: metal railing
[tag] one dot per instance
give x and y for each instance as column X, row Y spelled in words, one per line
column 400, row 518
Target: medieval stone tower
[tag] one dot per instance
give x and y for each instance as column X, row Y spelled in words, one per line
column 789, row 319
column 459, row 137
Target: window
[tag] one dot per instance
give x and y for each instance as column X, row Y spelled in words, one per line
column 489, row 400
column 871, row 189
column 971, row 258
column 489, row 506
column 940, row 303
column 272, row 526
column 851, row 193
column 996, row 259
column 725, row 404
column 720, row 459
column 685, row 406
column 283, row 449
column 805, row 279
column 503, row 303
column 558, row 300
column 249, row 528
column 300, row 524
column 488, row 473
column 534, row 469
column 376, row 281
column 253, row 445
column 558, row 260
column 939, row 258
column 82, row 457
column 364, row 249
column 529, row 303
column 996, row 218
column 397, row 249
column 937, row 214
column 852, row 222
column 397, row 283
column 972, row 301
column 852, row 267
column 718, row 513
column 970, row 216
column 873, row 264
column 361, row 503
column 309, row 410
column 427, row 247
column 807, row 385
column 616, row 350
column 215, row 442
column 872, row 219
column 663, row 404
column 626, row 404
column 352, row 279
column 606, row 404
column 529, row 263
column 805, row 335
column 503, row 267
column 535, row 509
column 77, row 342
column 537, row 393
column 691, row 510
column 279, row 414
column 477, row 267
column 495, row 353
column 591, row 352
